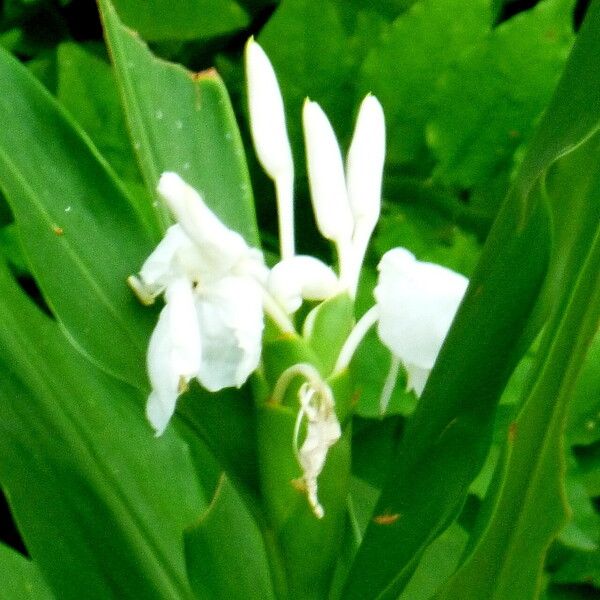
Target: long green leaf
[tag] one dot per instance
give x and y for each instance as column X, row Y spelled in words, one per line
column 78, row 230
column 225, row 553
column 507, row 561
column 530, row 483
column 21, row 579
column 451, row 427
column 100, row 502
column 181, row 121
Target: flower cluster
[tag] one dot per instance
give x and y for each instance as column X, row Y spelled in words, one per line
column 211, row 325
column 217, row 288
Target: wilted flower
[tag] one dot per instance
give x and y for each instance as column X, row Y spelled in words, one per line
column 416, row 304
column 323, row 430
column 211, row 326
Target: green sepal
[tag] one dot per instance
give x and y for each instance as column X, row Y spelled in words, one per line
column 327, row 327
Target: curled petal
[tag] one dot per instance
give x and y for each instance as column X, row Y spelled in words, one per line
column 218, row 246
column 300, row 277
column 162, row 265
column 174, row 353
column 230, row 321
column 322, row 431
column 417, row 302
column 326, row 175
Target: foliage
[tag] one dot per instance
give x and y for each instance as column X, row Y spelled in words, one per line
column 488, row 486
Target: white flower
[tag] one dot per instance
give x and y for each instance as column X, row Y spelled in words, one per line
column 416, row 302
column 267, row 116
column 173, row 354
column 301, row 277
column 230, row 324
column 211, row 325
column 346, row 203
column 364, row 164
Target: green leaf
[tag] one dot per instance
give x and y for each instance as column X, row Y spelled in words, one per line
column 100, row 502
column 510, row 74
column 422, row 46
column 438, row 563
column 10, row 248
column 87, row 89
column 451, row 428
column 584, row 416
column 225, row 551
column 226, row 422
column 582, row 567
column 508, row 559
column 78, row 230
column 322, row 62
column 160, row 20
column 181, row 121
column 21, row 579
column 327, row 327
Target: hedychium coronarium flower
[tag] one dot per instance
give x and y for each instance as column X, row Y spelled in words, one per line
column 217, row 289
column 346, row 202
column 416, row 303
column 211, row 325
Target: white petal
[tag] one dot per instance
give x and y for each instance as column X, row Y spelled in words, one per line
column 157, row 271
column 417, row 302
column 219, row 246
column 326, row 175
column 230, row 320
column 364, row 168
column 300, row 277
column 417, row 378
column 173, row 354
column 267, row 116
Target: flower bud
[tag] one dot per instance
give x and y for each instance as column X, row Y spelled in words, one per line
column 300, row 277
column 267, row 116
column 326, row 176
column 364, row 166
